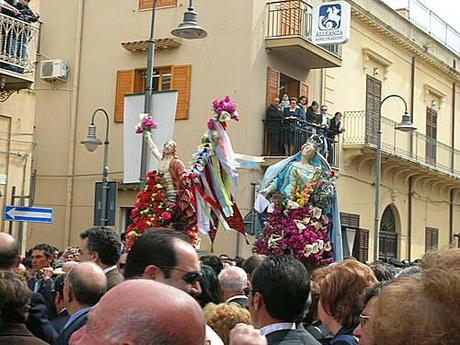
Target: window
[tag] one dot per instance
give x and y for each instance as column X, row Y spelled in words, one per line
column 388, row 237
column 147, row 4
column 431, row 134
column 279, row 83
column 431, row 239
column 176, row 77
column 360, row 250
column 125, row 218
column 373, row 98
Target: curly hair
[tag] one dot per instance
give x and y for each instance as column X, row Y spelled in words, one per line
column 341, row 289
column 104, row 241
column 224, row 316
column 423, row 310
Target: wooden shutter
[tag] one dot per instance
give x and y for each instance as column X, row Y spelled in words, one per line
column 146, row 4
column 273, row 85
column 125, row 86
column 181, row 80
column 303, row 90
column 373, row 98
column 431, row 134
column 290, row 17
column 349, row 220
column 361, row 245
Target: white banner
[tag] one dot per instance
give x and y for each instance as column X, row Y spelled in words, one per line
column 164, row 112
column 331, row 23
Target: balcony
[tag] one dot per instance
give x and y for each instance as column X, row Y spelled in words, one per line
column 18, row 47
column 413, row 150
column 289, row 36
column 283, row 138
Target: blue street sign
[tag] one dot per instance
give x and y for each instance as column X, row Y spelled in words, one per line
column 28, row 214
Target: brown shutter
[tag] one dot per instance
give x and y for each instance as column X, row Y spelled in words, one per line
column 303, row 90
column 431, row 239
column 373, row 97
column 181, row 80
column 290, row 17
column 273, row 85
column 146, row 4
column 125, row 86
column 361, row 245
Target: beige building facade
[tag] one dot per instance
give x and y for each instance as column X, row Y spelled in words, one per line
column 17, row 115
column 254, row 51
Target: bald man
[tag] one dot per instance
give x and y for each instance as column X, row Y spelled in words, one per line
column 37, row 322
column 84, row 286
column 139, row 312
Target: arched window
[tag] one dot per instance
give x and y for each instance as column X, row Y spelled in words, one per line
column 388, row 239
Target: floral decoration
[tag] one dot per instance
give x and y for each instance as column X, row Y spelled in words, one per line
column 152, row 208
column 224, row 109
column 146, row 124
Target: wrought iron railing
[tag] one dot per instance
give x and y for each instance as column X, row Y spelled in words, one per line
column 286, row 137
column 293, row 18
column 415, row 146
column 18, row 46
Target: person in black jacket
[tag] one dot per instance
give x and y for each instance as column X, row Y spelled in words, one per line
column 335, row 128
column 279, row 291
column 275, row 127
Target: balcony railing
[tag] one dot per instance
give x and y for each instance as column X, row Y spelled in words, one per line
column 293, row 18
column 286, row 137
column 415, row 146
column 18, row 47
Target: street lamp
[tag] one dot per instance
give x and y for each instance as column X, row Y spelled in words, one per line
column 91, row 143
column 189, row 29
column 405, row 125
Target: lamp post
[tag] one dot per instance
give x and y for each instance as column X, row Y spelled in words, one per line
column 405, row 126
column 188, row 29
column 91, row 143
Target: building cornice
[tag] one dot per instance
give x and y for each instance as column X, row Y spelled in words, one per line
column 367, row 18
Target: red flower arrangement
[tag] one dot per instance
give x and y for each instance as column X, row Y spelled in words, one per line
column 152, row 208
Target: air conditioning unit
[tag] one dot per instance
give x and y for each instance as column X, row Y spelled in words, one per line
column 54, row 70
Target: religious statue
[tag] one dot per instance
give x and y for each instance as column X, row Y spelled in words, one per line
column 170, row 167
column 298, row 197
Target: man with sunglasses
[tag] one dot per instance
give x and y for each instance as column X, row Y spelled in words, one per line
column 166, row 256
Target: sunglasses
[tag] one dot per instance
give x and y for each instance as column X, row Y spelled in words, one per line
column 363, row 319
column 188, row 277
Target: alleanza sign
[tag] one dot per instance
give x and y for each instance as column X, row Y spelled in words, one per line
column 331, row 23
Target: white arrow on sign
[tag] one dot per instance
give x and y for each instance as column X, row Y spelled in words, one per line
column 17, row 213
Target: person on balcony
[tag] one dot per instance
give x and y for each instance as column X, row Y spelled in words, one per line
column 275, row 126
column 312, row 118
column 303, row 105
column 292, row 116
column 7, row 8
column 335, row 128
column 293, row 111
column 285, row 101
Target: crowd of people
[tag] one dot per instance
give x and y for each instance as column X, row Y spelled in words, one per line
column 291, row 117
column 163, row 292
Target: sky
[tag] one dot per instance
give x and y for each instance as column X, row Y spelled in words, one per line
column 448, row 10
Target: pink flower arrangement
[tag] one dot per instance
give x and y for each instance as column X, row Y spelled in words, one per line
column 146, row 125
column 225, row 108
column 302, row 231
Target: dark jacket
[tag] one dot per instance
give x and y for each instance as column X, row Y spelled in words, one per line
column 291, row 337
column 38, row 322
column 241, row 302
column 17, row 334
column 113, row 278
column 273, row 113
column 345, row 337
column 60, row 321
column 287, row 112
column 334, row 128
column 46, row 290
column 66, row 333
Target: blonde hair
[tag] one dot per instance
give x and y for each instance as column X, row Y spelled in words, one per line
column 224, row 316
column 422, row 310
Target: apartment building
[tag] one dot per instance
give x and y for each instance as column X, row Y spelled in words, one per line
column 255, row 50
